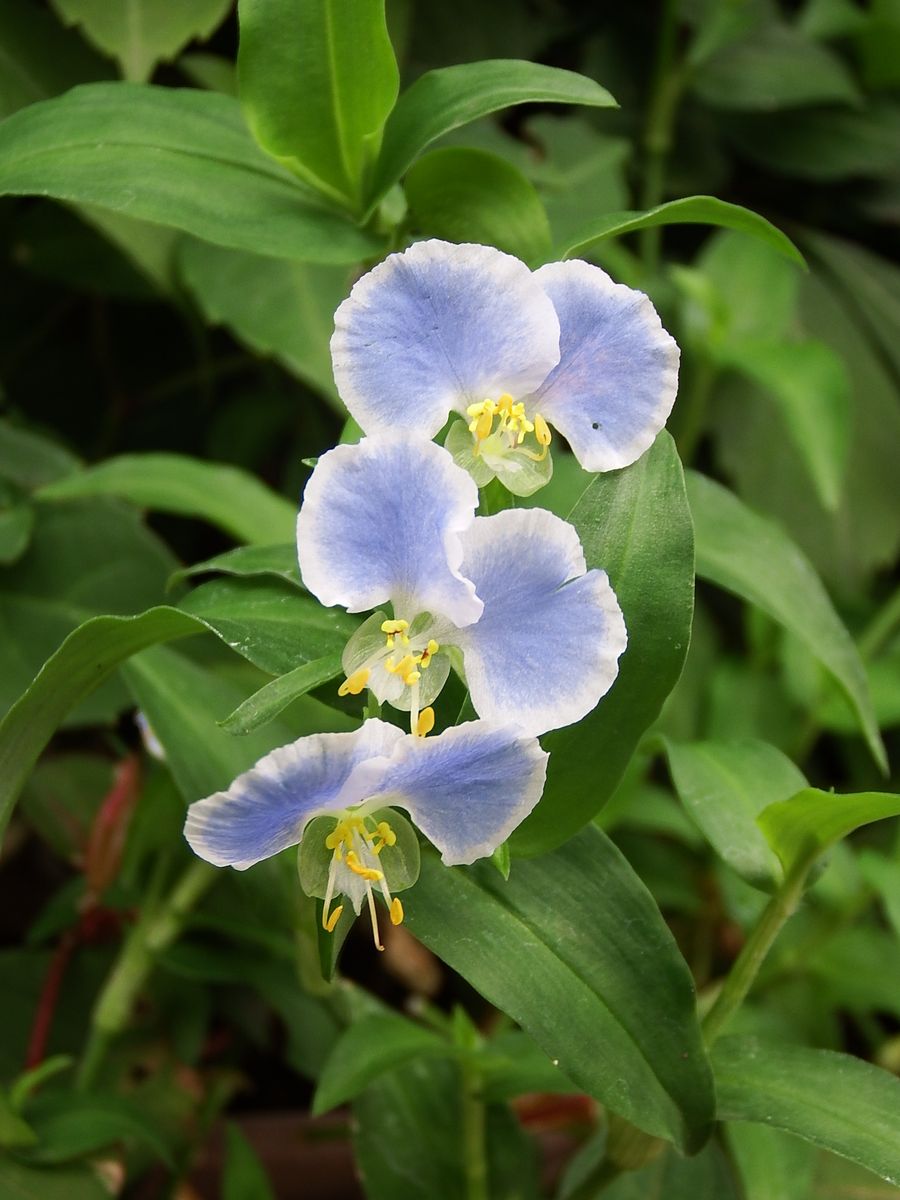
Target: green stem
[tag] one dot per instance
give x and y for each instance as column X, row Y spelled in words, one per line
column 657, row 141
column 473, row 1133
column 149, row 937
column 747, row 964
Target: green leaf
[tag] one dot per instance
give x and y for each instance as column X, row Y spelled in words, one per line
column 805, row 826
column 82, row 662
column 705, row 1176
column 442, row 100
column 408, row 1139
column 317, row 82
column 177, row 157
column 599, row 971
column 243, row 1177
column 772, row 1165
column 16, row 523
column 245, row 561
column 225, row 496
column 86, row 557
column 465, row 195
column 39, row 58
column 812, row 391
column 366, row 1050
column 724, row 786
column 69, row 1128
column 29, row 460
column 636, row 526
column 272, row 699
column 838, row 1102
column 184, row 703
column 774, row 67
column 882, row 874
column 280, row 308
column 139, row 33
column 14, row 1132
column 692, row 210
column 271, row 623
column 21, row 1182
column 745, row 553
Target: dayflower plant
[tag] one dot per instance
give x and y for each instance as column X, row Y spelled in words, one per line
column 466, row 789
column 466, row 328
column 389, row 521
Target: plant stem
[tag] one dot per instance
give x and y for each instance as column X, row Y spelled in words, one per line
column 657, row 141
column 153, row 933
column 747, row 964
column 473, row 1133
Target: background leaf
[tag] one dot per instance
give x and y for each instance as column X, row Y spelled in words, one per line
column 134, row 147
column 465, row 195
column 139, row 33
column 838, row 1102
column 225, row 496
column 750, row 556
column 807, row 824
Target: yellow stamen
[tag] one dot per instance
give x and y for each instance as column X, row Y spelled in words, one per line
column 396, row 911
column 387, row 835
column 403, row 667
column 369, row 873
column 329, row 922
column 425, row 723
column 355, row 683
column 541, row 430
column 394, row 626
column 428, row 653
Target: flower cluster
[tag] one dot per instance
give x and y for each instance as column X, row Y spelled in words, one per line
column 388, row 526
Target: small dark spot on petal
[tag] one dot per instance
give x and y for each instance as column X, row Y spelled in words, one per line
column 595, row 424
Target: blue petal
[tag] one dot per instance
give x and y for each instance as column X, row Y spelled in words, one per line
column 265, row 809
column 617, row 376
column 468, row 788
column 546, row 646
column 380, row 522
column 437, row 328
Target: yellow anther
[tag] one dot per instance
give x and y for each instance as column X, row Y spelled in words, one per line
column 396, row 911
column 355, row 683
column 425, row 723
column 394, row 626
column 387, row 834
column 428, row 653
column 329, row 922
column 541, row 430
column 352, row 861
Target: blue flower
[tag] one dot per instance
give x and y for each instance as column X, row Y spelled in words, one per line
column 387, row 522
column 466, row 789
column 467, row 328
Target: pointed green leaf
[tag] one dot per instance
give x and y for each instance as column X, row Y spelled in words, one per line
column 596, row 980
column 442, row 100
column 692, row 210
column 177, row 157
column 366, row 1050
column 269, row 701
column 747, row 554
column 805, row 826
column 724, row 786
column 838, row 1102
column 317, row 82
column 635, row 525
